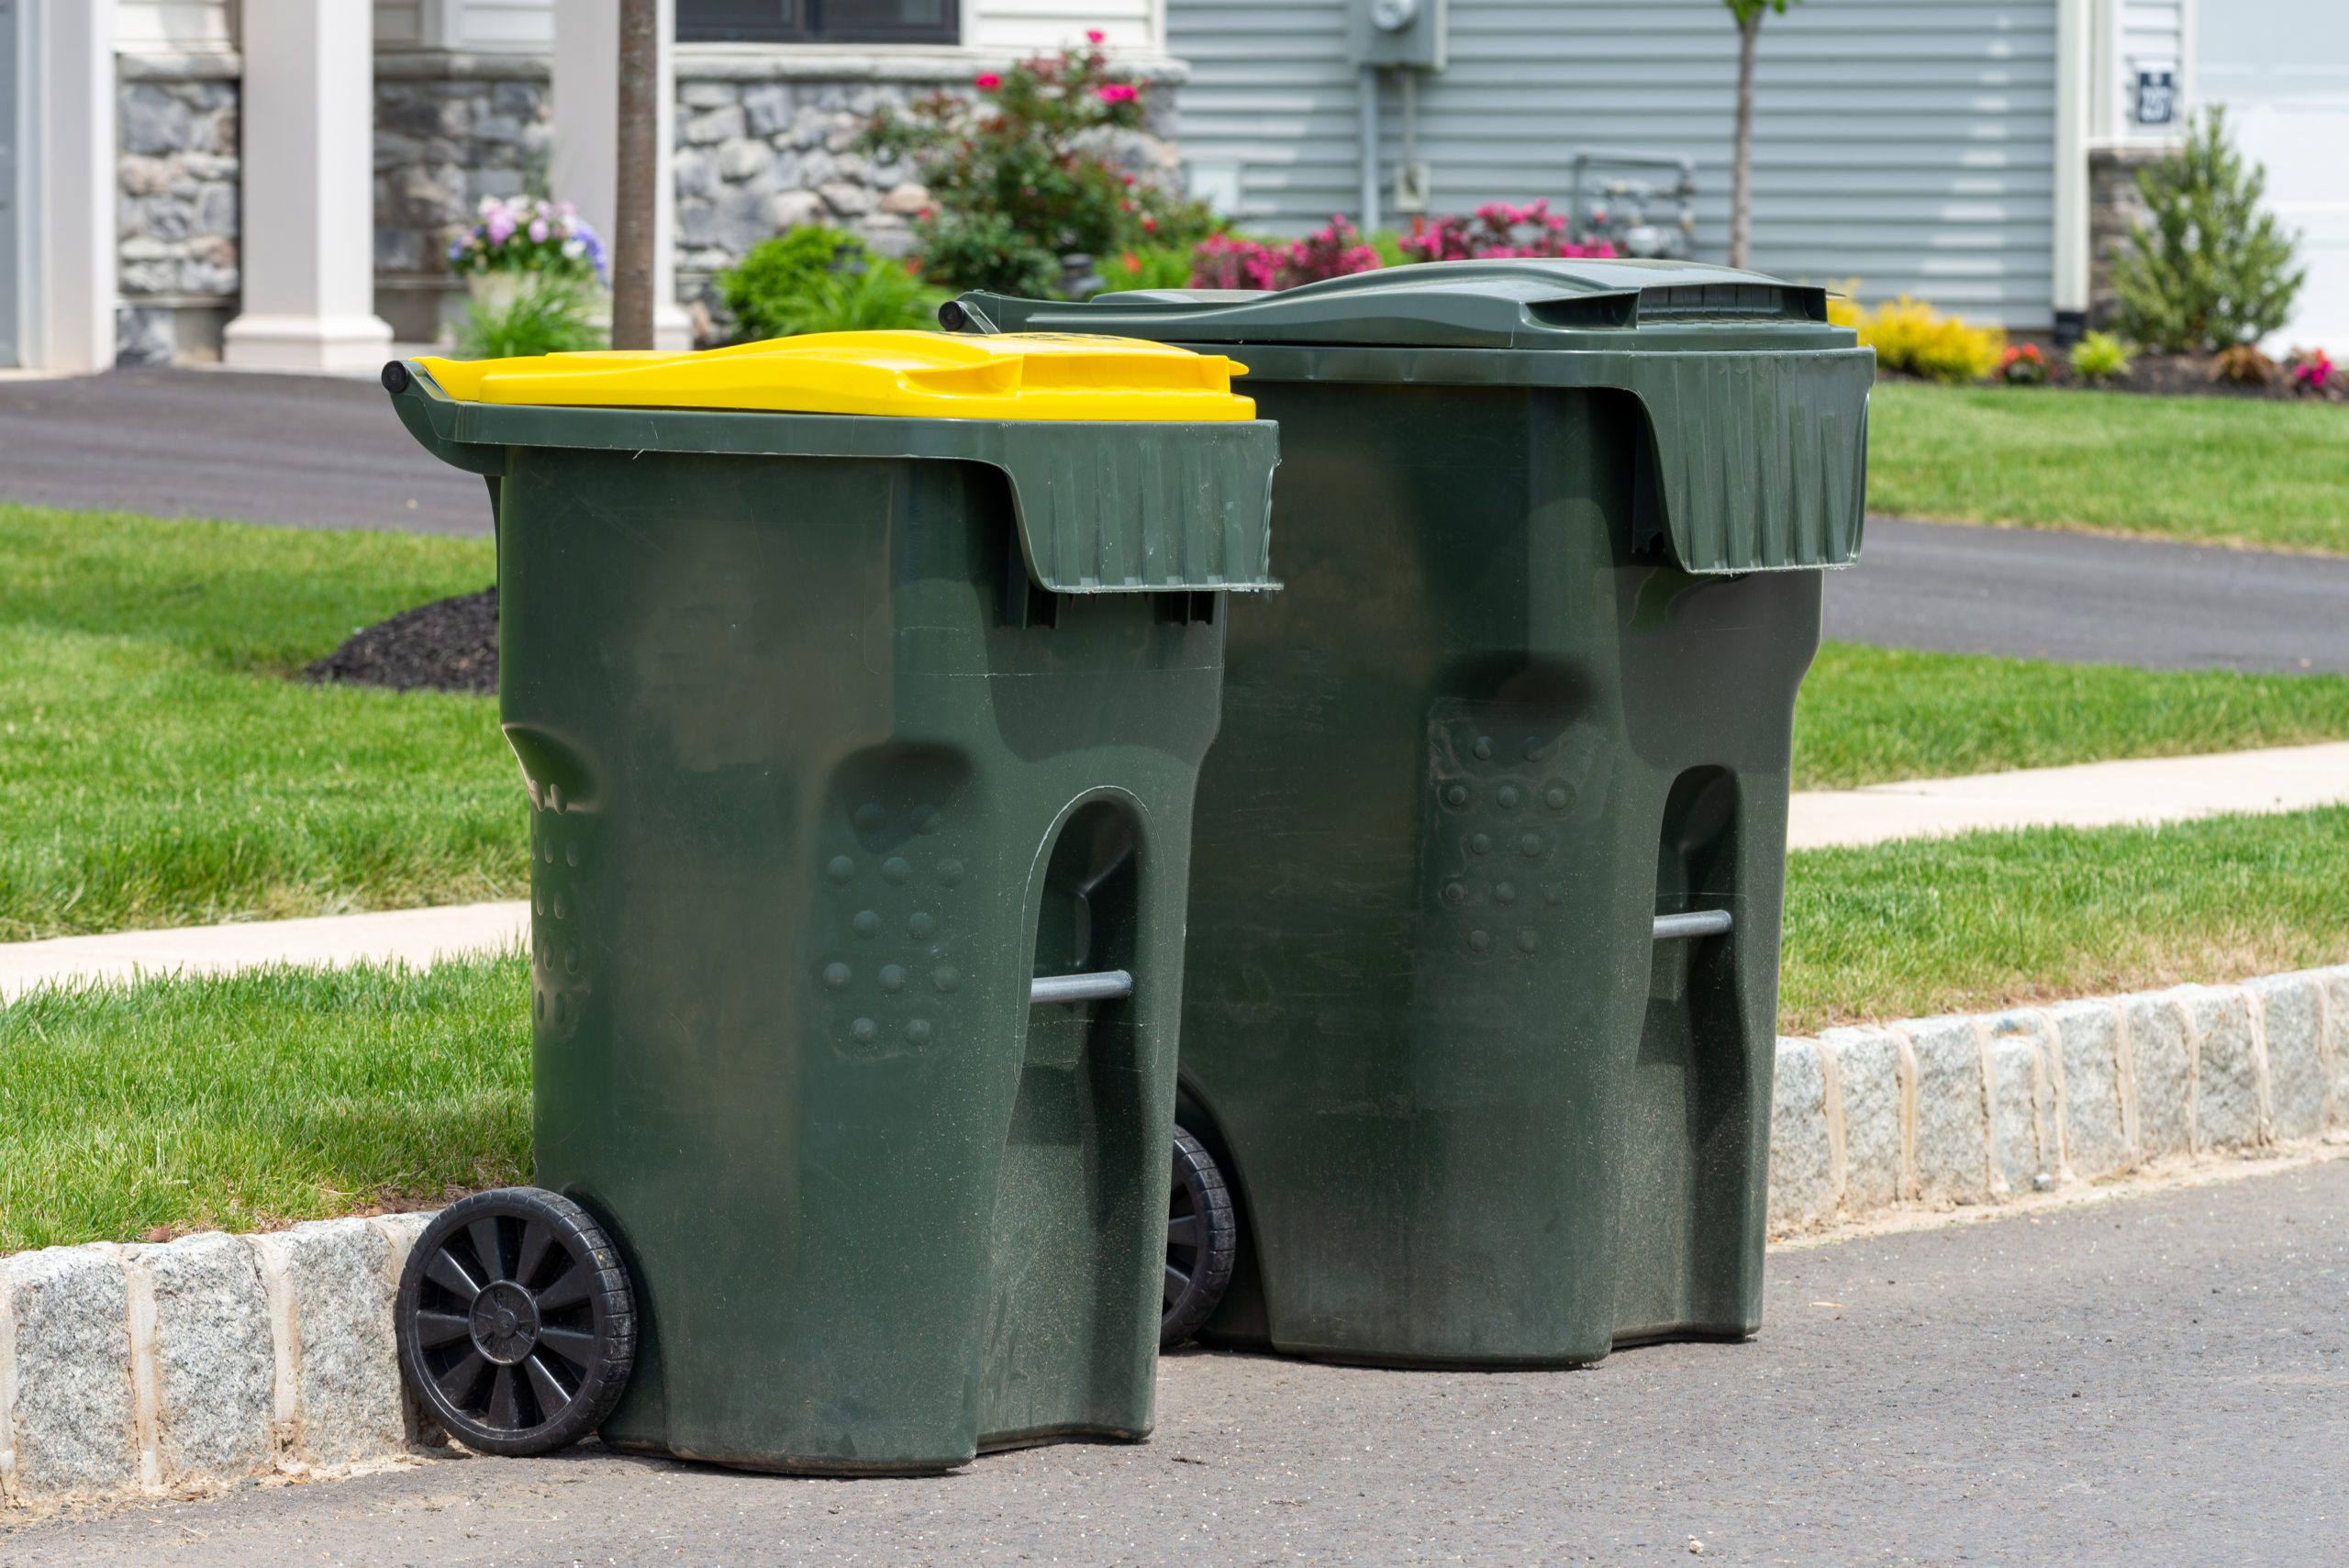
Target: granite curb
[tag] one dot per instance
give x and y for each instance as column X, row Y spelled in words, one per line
column 1977, row 1108
column 174, row 1368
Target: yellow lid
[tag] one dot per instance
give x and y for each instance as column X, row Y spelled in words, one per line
column 926, row 375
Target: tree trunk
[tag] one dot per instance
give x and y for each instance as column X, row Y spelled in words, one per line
column 1741, row 192
column 639, row 163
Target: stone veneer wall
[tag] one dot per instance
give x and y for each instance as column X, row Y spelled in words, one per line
column 177, row 170
column 449, row 130
column 765, row 141
column 2114, row 209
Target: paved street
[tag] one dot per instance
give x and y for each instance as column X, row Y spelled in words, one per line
column 2035, row 594
column 311, row 451
column 2151, row 1380
column 318, row 452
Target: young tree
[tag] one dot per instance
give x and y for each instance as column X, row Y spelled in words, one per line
column 2214, row 271
column 1749, row 15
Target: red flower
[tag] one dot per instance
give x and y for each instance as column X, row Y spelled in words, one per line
column 1150, row 226
column 1132, row 262
column 989, row 82
column 1114, row 93
column 1095, row 36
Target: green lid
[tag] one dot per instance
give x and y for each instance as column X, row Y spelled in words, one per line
column 1511, row 304
column 1756, row 405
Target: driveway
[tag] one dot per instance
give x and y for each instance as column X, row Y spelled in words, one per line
column 321, row 452
column 2149, row 1380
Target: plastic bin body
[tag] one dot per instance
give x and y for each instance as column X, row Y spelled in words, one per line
column 1495, row 725
column 821, row 774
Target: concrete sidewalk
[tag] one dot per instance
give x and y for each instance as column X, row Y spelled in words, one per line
column 415, row 936
column 2091, row 795
column 2094, row 794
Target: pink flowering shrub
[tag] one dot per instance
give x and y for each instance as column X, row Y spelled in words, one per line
column 1021, row 173
column 2311, row 370
column 1499, row 229
column 1232, row 261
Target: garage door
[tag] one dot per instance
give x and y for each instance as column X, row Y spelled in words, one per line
column 2281, row 67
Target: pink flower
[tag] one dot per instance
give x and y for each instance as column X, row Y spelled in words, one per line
column 1114, row 93
column 988, row 82
column 1095, row 36
column 539, row 231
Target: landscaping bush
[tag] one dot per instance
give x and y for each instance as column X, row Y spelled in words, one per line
column 1021, row 177
column 2100, row 357
column 2243, row 365
column 1499, row 229
column 1158, row 267
column 2024, row 365
column 1235, row 262
column 1913, row 337
column 2311, row 371
column 2212, row 271
column 546, row 313
column 819, row 279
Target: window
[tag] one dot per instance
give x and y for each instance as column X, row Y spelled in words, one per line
column 818, row 21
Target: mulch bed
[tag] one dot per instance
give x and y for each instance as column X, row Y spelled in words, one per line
column 2179, row 375
column 448, row 645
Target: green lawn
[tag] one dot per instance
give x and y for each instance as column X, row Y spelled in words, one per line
column 1868, row 714
column 157, row 767
column 2208, row 469
column 1985, row 920
column 242, row 1101
column 238, row 1102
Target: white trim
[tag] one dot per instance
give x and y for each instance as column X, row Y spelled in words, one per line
column 583, row 163
column 308, row 239
column 2075, row 62
column 71, row 288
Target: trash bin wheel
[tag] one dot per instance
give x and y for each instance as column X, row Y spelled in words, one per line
column 517, row 1324
column 1202, row 1239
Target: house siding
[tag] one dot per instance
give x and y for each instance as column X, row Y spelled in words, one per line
column 1906, row 143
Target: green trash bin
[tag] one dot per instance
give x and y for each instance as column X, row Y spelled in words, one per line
column 1483, row 941
column 860, row 684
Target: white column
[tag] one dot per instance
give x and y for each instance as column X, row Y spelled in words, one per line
column 2075, row 61
column 308, row 245
column 583, row 167
column 69, row 292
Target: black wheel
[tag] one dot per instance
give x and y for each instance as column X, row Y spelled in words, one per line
column 517, row 1325
column 1202, row 1239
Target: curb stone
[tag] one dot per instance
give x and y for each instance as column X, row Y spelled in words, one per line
column 157, row 1369
column 1969, row 1109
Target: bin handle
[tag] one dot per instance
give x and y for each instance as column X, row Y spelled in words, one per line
column 1108, row 985
column 1697, row 923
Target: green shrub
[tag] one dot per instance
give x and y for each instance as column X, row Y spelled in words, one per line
column 2100, row 357
column 547, row 314
column 1159, row 267
column 1912, row 337
column 2212, row 271
column 1019, row 178
column 819, row 279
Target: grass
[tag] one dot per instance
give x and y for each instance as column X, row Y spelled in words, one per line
column 248, row 1100
column 290, row 1094
column 1989, row 919
column 158, row 768
column 2204, row 470
column 1868, row 714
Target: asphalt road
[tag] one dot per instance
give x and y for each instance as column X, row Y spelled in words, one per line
column 318, row 452
column 2150, row 1381
column 2037, row 594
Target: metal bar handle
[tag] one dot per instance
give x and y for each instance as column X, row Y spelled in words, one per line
column 1697, row 923
column 1108, row 985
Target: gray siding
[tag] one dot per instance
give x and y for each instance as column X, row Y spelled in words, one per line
column 1908, row 143
column 11, row 180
